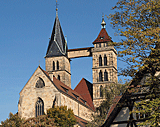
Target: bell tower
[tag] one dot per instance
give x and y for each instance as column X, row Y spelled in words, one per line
column 104, row 69
column 56, row 59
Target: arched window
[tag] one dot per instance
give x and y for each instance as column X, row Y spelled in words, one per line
column 57, row 65
column 100, row 60
column 105, row 76
column 101, row 91
column 100, row 76
column 58, row 77
column 39, row 109
column 105, row 60
column 40, row 83
column 53, row 65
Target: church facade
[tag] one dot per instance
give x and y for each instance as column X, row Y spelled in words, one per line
column 52, row 86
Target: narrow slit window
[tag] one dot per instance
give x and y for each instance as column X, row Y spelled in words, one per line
column 101, row 91
column 105, row 76
column 53, row 65
column 100, row 60
column 100, row 76
column 105, row 60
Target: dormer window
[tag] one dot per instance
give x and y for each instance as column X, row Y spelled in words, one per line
column 76, row 96
column 65, row 89
column 101, row 38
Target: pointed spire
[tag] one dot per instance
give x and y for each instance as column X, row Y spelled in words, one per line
column 57, row 45
column 103, row 22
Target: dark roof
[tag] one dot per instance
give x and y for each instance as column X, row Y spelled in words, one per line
column 102, row 37
column 85, row 89
column 57, row 44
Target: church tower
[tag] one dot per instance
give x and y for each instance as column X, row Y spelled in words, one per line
column 104, row 70
column 56, row 59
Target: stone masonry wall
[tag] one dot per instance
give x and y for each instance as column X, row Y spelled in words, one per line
column 110, row 68
column 63, row 71
column 77, row 108
column 29, row 95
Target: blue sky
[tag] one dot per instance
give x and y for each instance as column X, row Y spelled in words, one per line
column 25, row 29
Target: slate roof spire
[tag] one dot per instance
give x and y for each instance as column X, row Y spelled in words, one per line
column 57, row 44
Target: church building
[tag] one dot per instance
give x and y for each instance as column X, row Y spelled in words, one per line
column 52, row 86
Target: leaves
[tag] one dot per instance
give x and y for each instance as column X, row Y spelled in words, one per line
column 63, row 117
column 109, row 93
column 138, row 22
column 57, row 116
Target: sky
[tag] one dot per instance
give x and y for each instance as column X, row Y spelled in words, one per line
column 25, row 29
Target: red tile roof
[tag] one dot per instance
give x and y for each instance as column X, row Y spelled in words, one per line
column 102, row 37
column 85, row 89
column 71, row 93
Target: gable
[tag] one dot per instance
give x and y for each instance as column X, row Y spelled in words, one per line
column 85, row 89
column 39, row 74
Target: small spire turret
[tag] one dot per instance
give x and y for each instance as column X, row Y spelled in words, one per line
column 103, row 24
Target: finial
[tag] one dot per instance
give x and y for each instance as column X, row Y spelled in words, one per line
column 57, row 8
column 103, row 22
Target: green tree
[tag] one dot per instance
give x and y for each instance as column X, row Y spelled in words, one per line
column 138, row 22
column 63, row 117
column 13, row 121
column 57, row 116
column 40, row 121
column 109, row 93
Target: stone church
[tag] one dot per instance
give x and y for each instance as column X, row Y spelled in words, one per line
column 52, row 86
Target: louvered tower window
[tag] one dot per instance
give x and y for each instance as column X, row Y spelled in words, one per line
column 40, row 83
column 105, row 60
column 39, row 109
column 57, row 65
column 100, row 76
column 53, row 65
column 105, row 76
column 59, row 77
column 100, row 60
column 101, row 91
